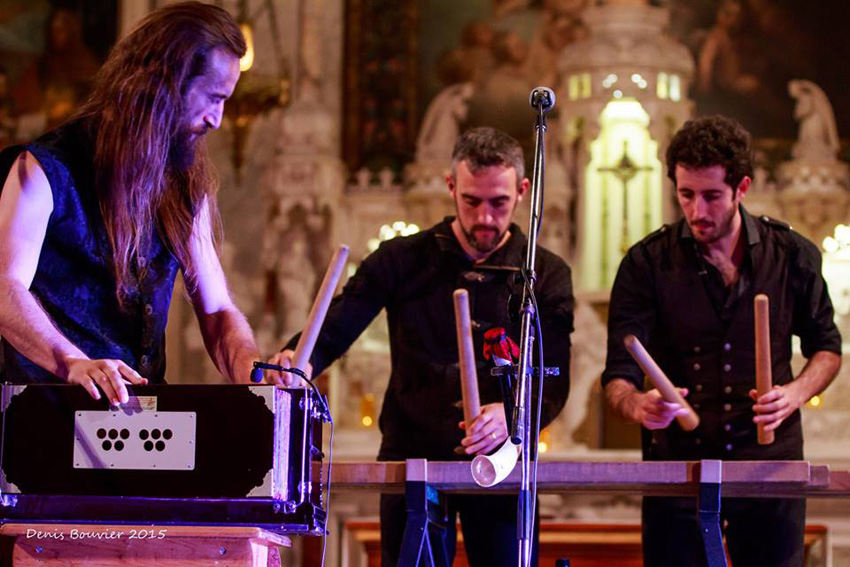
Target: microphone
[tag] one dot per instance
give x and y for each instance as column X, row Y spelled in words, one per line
column 256, row 374
column 257, row 371
column 542, row 98
column 257, row 377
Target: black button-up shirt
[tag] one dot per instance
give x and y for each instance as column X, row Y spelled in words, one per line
column 701, row 332
column 414, row 278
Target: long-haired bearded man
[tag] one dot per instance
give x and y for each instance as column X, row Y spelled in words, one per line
column 99, row 215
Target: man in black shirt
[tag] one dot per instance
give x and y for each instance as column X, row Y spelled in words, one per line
column 413, row 278
column 686, row 291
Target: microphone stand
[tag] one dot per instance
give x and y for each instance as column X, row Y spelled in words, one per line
column 542, row 99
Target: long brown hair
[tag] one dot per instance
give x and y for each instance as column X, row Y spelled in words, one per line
column 134, row 111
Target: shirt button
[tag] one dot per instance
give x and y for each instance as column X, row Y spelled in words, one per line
column 727, row 407
column 148, row 309
column 144, row 360
column 697, row 441
column 727, row 367
column 728, row 427
column 698, row 387
column 697, row 366
column 727, row 390
column 695, row 406
column 727, row 347
column 697, row 349
column 728, row 446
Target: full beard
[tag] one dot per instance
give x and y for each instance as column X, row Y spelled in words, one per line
column 483, row 245
column 721, row 229
column 183, row 151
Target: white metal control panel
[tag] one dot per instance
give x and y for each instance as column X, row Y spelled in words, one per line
column 145, row 440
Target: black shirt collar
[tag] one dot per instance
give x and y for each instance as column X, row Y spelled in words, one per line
column 751, row 251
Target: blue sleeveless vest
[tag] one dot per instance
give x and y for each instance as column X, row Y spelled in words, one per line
column 74, row 281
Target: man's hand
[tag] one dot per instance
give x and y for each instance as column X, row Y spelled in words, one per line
column 109, row 375
column 486, row 432
column 647, row 408
column 781, row 401
column 287, row 379
column 651, row 410
column 773, row 407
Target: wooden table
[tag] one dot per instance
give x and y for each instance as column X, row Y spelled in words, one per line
column 706, row 481
column 655, row 478
column 91, row 545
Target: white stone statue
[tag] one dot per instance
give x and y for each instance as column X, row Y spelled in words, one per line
column 310, row 56
column 588, row 362
column 441, row 125
column 818, row 137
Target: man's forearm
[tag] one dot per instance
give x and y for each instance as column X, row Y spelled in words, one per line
column 30, row 331
column 819, row 372
column 230, row 343
column 619, row 393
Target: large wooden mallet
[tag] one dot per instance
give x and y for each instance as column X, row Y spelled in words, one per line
column 764, row 371
column 690, row 420
column 307, row 341
column 468, row 372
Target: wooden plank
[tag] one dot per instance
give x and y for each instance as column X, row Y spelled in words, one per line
column 573, row 475
column 740, row 478
column 89, row 545
column 766, row 472
column 370, row 476
column 839, row 484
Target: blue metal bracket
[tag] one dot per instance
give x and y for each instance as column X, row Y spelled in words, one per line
column 711, row 477
column 427, row 521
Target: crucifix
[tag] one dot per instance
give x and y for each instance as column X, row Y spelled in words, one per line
column 625, row 170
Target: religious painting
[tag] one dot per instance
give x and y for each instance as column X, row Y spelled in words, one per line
column 49, row 54
column 419, row 71
column 747, row 52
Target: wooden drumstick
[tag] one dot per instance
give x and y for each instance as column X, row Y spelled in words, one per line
column 307, row 341
column 668, row 391
column 468, row 371
column 764, row 371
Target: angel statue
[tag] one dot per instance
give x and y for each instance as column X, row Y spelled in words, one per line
column 818, row 137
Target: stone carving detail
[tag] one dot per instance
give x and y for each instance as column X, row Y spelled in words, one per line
column 814, row 185
column 588, row 361
column 441, row 125
column 818, row 136
column 310, row 56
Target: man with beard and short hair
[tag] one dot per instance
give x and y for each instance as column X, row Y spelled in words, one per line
column 98, row 216
column 413, row 278
column 686, row 292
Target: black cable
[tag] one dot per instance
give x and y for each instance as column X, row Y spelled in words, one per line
column 328, row 496
column 541, row 371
